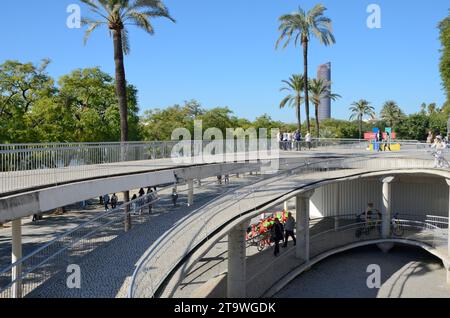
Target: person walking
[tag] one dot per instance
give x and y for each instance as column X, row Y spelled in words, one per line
column 308, row 139
column 289, row 227
column 280, row 139
column 387, row 141
column 141, row 192
column 298, row 140
column 106, row 201
column 276, row 235
column 438, row 155
column 289, row 141
column 174, row 197
column 134, row 204
column 227, row 179
column 379, row 140
column 114, row 201
column 430, row 138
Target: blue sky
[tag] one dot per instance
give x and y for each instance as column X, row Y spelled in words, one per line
column 221, row 52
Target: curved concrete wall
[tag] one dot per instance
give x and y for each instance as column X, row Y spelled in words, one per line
column 422, row 196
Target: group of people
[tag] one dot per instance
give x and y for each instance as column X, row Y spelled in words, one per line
column 278, row 228
column 106, row 200
column 383, row 141
column 144, row 199
column 293, row 140
column 137, row 202
column 226, row 179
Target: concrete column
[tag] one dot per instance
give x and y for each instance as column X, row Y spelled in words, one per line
column 236, row 278
column 190, row 183
column 16, row 255
column 302, row 228
column 127, row 222
column 448, row 238
column 386, row 207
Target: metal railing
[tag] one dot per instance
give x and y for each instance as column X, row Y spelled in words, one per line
column 25, row 166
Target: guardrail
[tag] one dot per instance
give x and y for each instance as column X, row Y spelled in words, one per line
column 147, row 279
column 25, row 166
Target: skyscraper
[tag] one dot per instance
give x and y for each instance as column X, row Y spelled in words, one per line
column 324, row 73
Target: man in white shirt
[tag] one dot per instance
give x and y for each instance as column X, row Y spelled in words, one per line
column 308, row 140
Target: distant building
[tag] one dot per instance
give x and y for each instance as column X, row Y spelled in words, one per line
column 324, row 73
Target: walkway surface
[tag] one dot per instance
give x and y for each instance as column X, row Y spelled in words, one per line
column 406, row 272
column 30, row 179
column 107, row 270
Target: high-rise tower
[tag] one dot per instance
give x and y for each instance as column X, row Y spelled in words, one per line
column 324, row 73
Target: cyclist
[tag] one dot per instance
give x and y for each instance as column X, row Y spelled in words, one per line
column 372, row 215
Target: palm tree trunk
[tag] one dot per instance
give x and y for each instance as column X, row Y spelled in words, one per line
column 317, row 120
column 298, row 109
column 305, row 62
column 121, row 86
column 360, row 126
column 121, row 91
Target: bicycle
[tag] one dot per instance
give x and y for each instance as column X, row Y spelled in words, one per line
column 396, row 226
column 441, row 162
column 369, row 225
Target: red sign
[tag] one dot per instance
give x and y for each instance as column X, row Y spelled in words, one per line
column 372, row 136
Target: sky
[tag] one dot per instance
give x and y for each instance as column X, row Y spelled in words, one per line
column 222, row 52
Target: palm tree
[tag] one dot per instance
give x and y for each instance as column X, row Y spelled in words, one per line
column 360, row 109
column 391, row 114
column 299, row 26
column 294, row 85
column 117, row 15
column 320, row 89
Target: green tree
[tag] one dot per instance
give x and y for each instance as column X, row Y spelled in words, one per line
column 391, row 114
column 414, row 127
column 219, row 117
column 299, row 27
column 117, row 15
column 89, row 94
column 360, row 109
column 22, row 85
column 320, row 89
column 444, row 28
column 158, row 124
column 295, row 85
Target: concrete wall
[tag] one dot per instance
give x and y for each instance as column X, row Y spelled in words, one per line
column 421, row 196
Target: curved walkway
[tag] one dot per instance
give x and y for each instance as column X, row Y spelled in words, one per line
column 406, row 272
column 209, row 225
